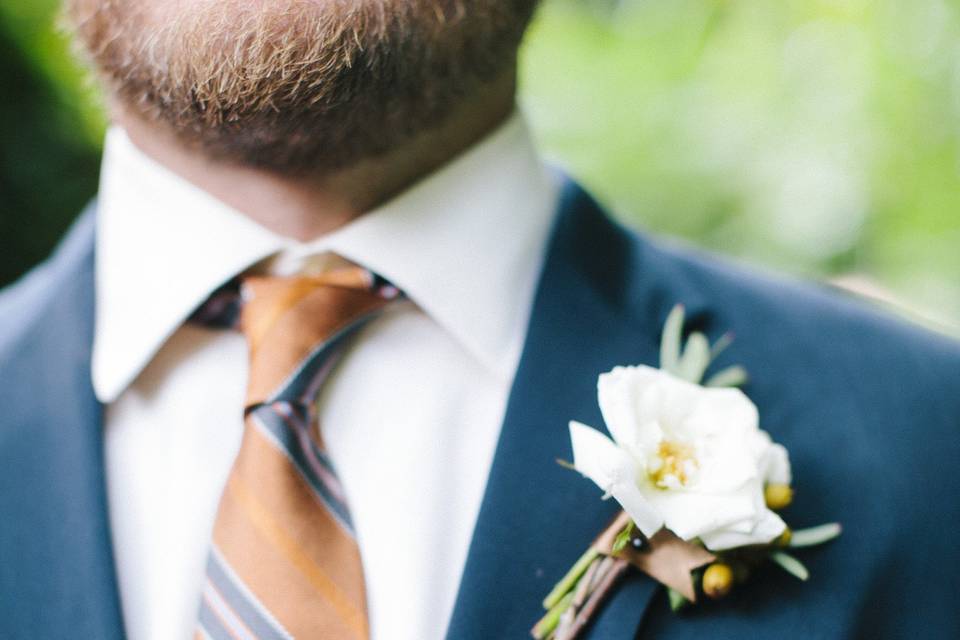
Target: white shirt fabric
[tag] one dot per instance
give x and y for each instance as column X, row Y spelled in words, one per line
column 411, row 417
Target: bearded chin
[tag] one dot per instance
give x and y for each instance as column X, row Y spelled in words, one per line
column 298, row 85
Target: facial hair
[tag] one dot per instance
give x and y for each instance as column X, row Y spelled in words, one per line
column 295, row 86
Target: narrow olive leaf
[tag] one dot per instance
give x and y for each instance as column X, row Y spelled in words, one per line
column 790, row 564
column 566, row 464
column 815, row 535
column 735, row 376
column 670, row 342
column 569, row 581
column 721, row 345
column 677, row 601
column 549, row 622
column 695, row 358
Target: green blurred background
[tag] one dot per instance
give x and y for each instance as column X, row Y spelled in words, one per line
column 813, row 136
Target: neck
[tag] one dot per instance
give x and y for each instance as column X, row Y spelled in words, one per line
column 306, row 206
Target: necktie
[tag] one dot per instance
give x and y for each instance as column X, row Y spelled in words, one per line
column 284, row 562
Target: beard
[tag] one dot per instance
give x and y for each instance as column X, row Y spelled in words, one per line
column 298, row 86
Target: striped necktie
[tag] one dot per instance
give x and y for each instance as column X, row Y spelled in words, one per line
column 284, row 561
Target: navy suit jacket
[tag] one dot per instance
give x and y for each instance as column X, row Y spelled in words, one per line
column 869, row 409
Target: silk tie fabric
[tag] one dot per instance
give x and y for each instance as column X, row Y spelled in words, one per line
column 284, row 562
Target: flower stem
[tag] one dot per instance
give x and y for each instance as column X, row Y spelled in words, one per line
column 570, row 580
column 609, row 580
column 549, row 622
column 585, row 583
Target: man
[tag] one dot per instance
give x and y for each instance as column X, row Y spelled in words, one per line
column 370, row 151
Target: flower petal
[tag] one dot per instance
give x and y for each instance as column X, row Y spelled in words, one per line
column 633, row 405
column 775, row 465
column 595, row 455
column 690, row 514
column 769, row 526
column 720, row 412
column 613, row 470
column 616, row 391
column 644, row 515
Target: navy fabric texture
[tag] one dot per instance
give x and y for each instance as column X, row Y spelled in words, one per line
column 56, row 567
column 868, row 407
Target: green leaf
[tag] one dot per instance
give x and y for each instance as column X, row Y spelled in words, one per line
column 695, row 358
column 735, row 376
column 670, row 341
column 549, row 622
column 623, row 538
column 815, row 535
column 677, row 601
column 569, row 581
column 790, row 564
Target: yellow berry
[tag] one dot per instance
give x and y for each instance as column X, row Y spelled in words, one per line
column 783, row 540
column 778, row 496
column 717, row 580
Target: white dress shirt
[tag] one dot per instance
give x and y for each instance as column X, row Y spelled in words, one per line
column 411, row 417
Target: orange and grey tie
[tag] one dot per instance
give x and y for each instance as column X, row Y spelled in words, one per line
column 284, row 561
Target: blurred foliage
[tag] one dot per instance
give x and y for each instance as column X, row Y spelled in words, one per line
column 816, row 136
column 48, row 158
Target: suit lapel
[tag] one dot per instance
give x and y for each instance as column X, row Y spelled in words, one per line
column 594, row 309
column 55, row 548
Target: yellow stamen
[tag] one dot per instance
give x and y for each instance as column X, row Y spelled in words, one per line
column 674, row 460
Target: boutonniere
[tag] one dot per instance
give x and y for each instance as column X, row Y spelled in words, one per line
column 699, row 482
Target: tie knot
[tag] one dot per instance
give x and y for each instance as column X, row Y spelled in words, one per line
column 296, row 326
column 275, row 307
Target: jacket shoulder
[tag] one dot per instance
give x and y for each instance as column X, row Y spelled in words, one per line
column 825, row 330
column 24, row 303
column 794, row 323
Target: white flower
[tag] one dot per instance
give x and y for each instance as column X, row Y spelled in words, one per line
column 687, row 457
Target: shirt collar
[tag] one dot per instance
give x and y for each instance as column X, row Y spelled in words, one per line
column 465, row 244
